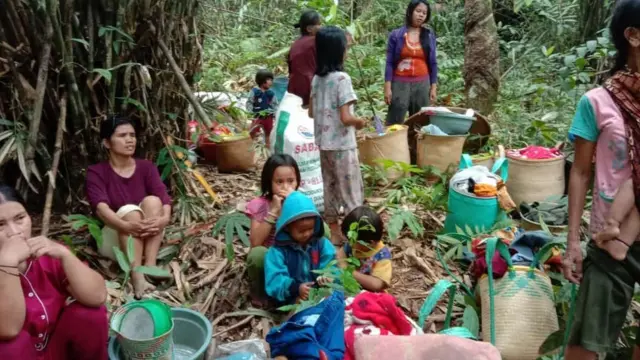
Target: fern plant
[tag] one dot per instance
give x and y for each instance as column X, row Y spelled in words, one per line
column 233, row 224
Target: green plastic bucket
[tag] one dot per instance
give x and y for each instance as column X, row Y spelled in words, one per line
column 144, row 330
column 476, row 213
column 192, row 334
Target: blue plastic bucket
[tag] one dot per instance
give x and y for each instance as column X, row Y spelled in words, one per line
column 476, row 213
column 280, row 85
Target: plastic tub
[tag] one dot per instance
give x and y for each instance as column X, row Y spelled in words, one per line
column 192, row 334
column 452, row 123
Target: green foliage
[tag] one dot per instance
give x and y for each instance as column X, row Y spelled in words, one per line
column 93, row 225
column 233, row 224
column 189, row 209
column 399, row 219
column 125, row 261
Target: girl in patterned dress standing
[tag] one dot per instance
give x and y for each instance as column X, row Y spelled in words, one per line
column 331, row 107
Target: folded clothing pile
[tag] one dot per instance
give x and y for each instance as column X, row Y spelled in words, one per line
column 370, row 314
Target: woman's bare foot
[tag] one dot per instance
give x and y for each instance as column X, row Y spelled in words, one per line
column 617, row 248
column 140, row 285
column 610, row 232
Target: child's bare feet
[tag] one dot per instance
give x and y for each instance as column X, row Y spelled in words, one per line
column 140, row 285
column 617, row 248
column 610, row 232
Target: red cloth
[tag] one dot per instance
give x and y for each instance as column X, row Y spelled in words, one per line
column 536, row 152
column 480, row 266
column 381, row 311
column 52, row 330
column 302, row 67
column 103, row 185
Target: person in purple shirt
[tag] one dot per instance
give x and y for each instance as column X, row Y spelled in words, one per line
column 411, row 73
column 128, row 195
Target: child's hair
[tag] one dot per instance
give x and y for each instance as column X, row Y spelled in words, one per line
column 625, row 15
column 364, row 215
column 331, row 44
column 413, row 4
column 110, row 124
column 274, row 162
column 262, row 76
column 308, row 18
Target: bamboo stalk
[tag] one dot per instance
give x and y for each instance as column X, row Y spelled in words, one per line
column 41, row 87
column 183, row 82
column 46, row 216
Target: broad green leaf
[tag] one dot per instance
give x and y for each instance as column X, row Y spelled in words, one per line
column 96, row 233
column 592, row 45
column 242, row 234
column 553, row 342
column 81, row 41
column 168, row 252
column 106, row 74
column 78, row 224
column 470, row 320
column 134, row 102
column 103, row 30
column 131, row 250
column 122, row 260
column 152, row 271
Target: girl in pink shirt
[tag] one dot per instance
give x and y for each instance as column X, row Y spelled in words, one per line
column 37, row 277
column 280, row 176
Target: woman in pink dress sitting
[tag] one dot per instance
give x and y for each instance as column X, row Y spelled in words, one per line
column 128, row 195
column 38, row 276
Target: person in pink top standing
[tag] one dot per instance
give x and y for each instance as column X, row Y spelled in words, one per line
column 38, row 276
column 605, row 127
column 128, row 195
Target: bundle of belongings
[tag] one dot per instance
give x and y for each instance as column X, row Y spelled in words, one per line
column 478, row 181
column 522, row 245
column 374, row 314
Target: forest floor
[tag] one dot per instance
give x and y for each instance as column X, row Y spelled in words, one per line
column 204, row 279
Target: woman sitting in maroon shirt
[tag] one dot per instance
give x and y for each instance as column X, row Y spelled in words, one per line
column 128, row 195
column 302, row 56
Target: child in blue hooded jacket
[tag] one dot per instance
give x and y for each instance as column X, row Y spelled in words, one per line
column 300, row 247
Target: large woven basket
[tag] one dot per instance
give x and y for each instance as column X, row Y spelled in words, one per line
column 235, row 155
column 440, row 152
column 390, row 146
column 535, row 180
column 518, row 310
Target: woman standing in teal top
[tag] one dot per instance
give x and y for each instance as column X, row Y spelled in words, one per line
column 600, row 129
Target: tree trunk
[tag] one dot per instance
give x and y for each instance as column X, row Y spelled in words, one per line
column 593, row 17
column 481, row 56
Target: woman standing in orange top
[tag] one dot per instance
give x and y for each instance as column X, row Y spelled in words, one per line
column 411, row 73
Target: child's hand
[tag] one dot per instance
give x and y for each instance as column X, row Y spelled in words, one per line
column 324, row 280
column 303, row 290
column 360, row 124
column 276, row 204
